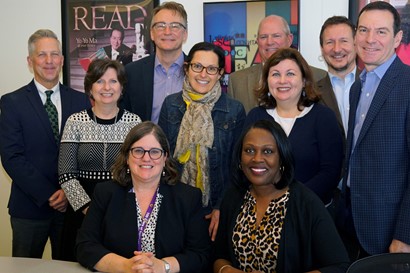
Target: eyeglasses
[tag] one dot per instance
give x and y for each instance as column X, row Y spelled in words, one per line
column 174, row 26
column 198, row 68
column 154, row 153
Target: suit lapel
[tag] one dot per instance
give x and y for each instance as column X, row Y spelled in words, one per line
column 253, row 82
column 329, row 96
column 382, row 93
column 35, row 101
column 148, row 82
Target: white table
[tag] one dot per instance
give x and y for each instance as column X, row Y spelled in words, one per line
column 29, row 265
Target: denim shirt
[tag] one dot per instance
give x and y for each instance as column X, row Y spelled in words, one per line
column 228, row 116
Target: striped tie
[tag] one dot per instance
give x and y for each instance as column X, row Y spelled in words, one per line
column 52, row 115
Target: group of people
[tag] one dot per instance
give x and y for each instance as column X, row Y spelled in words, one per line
column 155, row 169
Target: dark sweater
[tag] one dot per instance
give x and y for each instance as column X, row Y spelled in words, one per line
column 317, row 147
column 309, row 239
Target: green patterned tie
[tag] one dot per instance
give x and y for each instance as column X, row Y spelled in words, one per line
column 52, row 115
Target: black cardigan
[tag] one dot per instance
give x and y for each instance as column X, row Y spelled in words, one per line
column 309, row 239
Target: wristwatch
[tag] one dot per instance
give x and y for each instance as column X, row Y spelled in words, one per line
column 166, row 266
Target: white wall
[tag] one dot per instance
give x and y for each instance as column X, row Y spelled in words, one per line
column 19, row 19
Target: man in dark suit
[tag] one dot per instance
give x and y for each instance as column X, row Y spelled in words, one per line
column 338, row 50
column 117, row 50
column 153, row 78
column 29, row 148
column 273, row 33
column 376, row 186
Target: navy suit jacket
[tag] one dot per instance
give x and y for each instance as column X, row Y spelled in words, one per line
column 139, row 89
column 380, row 162
column 29, row 152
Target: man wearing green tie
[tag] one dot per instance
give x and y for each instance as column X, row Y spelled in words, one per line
column 31, row 120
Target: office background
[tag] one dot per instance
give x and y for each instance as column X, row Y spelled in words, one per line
column 19, row 19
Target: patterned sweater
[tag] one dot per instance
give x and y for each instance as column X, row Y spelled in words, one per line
column 88, row 149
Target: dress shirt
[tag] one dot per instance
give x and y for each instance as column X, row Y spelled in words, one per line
column 55, row 99
column 114, row 54
column 341, row 89
column 370, row 82
column 166, row 83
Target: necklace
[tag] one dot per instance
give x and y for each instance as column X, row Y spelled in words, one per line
column 105, row 144
column 115, row 120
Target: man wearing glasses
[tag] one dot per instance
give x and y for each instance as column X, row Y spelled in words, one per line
column 153, row 78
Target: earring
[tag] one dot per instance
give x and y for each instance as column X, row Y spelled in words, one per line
column 269, row 94
column 303, row 93
column 128, row 170
column 240, row 166
column 163, row 173
column 281, row 169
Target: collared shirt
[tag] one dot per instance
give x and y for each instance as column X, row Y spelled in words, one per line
column 166, row 83
column 114, row 54
column 341, row 89
column 55, row 98
column 370, row 82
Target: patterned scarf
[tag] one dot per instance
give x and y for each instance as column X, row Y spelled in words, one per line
column 196, row 136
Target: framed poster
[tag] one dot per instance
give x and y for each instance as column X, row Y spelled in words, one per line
column 234, row 26
column 115, row 29
column 403, row 7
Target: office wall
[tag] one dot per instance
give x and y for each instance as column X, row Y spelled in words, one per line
column 21, row 18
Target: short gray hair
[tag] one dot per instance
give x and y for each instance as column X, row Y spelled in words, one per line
column 39, row 34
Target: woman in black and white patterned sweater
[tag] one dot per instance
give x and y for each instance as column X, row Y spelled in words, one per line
column 90, row 144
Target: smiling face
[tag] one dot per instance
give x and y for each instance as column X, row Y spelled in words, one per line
column 285, row 82
column 168, row 40
column 145, row 169
column 107, row 89
column 46, row 62
column 375, row 39
column 202, row 82
column 338, row 49
column 260, row 159
column 116, row 39
column 272, row 36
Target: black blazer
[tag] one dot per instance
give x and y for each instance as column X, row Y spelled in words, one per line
column 29, row 153
column 139, row 89
column 110, row 226
column 125, row 53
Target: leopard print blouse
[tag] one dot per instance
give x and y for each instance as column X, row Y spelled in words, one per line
column 256, row 247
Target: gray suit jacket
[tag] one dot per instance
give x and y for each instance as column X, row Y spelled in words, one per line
column 329, row 99
column 242, row 84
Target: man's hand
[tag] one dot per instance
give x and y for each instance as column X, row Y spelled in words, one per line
column 58, row 201
column 397, row 246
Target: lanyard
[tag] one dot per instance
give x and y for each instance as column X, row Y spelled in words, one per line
column 145, row 220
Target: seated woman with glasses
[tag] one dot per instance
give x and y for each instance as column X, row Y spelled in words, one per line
column 146, row 220
column 202, row 125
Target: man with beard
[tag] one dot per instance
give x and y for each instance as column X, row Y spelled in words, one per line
column 338, row 50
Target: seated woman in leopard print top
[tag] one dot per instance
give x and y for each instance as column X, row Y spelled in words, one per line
column 269, row 222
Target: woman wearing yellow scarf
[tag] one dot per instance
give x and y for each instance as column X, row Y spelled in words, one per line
column 202, row 125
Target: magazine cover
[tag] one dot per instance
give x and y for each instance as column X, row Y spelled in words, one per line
column 117, row 30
